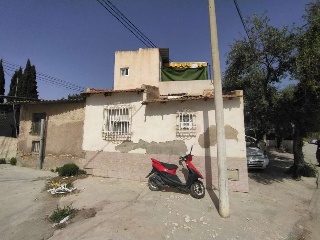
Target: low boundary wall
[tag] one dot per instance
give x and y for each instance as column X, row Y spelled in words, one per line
column 8, row 147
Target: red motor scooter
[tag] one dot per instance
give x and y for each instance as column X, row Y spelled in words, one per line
column 164, row 174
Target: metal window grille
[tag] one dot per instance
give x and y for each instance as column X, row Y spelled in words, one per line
column 36, row 122
column 117, row 123
column 35, row 146
column 186, row 124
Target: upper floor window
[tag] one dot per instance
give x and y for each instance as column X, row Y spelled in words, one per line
column 186, row 124
column 124, row 71
column 36, row 122
column 117, row 123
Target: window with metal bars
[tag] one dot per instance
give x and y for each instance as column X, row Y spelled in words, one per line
column 35, row 146
column 117, row 123
column 186, row 124
column 36, row 122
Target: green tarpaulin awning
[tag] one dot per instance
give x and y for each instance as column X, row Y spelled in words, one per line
column 184, row 74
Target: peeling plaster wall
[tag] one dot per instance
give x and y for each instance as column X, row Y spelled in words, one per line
column 154, row 135
column 154, row 126
column 64, row 129
column 209, row 137
column 167, row 148
column 136, row 167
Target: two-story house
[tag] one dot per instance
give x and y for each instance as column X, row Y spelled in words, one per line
column 160, row 109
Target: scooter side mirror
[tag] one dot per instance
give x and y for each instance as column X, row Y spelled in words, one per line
column 191, row 149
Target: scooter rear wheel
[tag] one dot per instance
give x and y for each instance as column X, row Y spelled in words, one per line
column 152, row 184
column 197, row 190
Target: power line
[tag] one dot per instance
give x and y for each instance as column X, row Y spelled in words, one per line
column 53, row 81
column 46, row 80
column 131, row 24
column 244, row 26
column 115, row 12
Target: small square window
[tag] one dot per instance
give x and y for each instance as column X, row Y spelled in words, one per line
column 35, row 146
column 124, row 71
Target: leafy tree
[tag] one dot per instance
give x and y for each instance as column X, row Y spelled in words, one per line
column 283, row 109
column 255, row 66
column 2, row 81
column 306, row 100
column 271, row 55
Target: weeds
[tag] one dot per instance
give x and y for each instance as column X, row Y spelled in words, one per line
column 70, row 169
column 61, row 213
column 3, row 161
column 308, row 170
column 13, row 161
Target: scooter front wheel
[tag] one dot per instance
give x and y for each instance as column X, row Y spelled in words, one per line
column 197, row 190
column 152, row 184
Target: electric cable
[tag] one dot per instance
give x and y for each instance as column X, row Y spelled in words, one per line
column 244, row 26
column 115, row 12
column 124, row 24
column 53, row 81
column 49, row 81
column 130, row 23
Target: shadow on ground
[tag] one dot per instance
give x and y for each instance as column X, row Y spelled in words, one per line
column 276, row 171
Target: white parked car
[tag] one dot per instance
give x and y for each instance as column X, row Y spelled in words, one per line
column 257, row 157
column 312, row 141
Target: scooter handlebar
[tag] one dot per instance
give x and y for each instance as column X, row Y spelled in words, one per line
column 183, row 159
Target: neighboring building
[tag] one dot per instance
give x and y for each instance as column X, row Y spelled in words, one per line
column 9, row 117
column 160, row 109
column 63, row 133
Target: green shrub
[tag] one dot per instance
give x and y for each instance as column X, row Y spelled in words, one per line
column 3, row 161
column 69, row 169
column 308, row 170
column 13, row 161
column 81, row 171
column 61, row 213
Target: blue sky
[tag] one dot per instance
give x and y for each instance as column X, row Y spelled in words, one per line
column 75, row 40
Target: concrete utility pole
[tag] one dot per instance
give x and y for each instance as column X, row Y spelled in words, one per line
column 221, row 145
column 41, row 149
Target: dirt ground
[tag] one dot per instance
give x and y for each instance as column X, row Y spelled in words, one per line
column 276, row 207
column 24, row 204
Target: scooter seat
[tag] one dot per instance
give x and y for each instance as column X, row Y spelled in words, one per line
column 169, row 166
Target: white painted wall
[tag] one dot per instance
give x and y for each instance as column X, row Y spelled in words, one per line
column 190, row 87
column 144, row 67
column 156, row 122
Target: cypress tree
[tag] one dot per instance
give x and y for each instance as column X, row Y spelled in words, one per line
column 2, row 81
column 14, row 84
column 28, row 87
column 33, row 88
